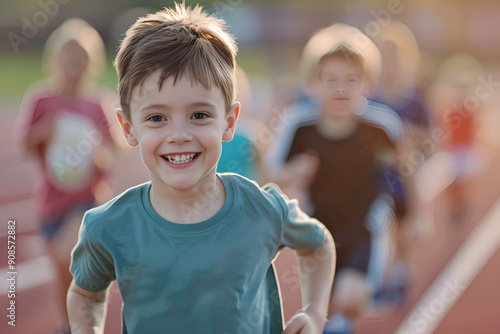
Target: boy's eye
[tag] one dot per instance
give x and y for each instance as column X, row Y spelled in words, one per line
column 200, row 115
column 156, row 118
column 330, row 80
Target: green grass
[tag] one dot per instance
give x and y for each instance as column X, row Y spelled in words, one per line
column 17, row 72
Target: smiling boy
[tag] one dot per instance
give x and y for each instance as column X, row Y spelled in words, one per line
column 192, row 250
column 179, row 129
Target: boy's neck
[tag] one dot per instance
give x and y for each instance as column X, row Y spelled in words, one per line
column 188, row 206
column 333, row 127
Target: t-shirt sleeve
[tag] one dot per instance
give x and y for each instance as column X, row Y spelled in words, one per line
column 295, row 146
column 92, row 265
column 299, row 230
column 32, row 112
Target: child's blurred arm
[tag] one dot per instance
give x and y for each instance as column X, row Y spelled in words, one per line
column 299, row 172
column 38, row 134
column 316, row 272
column 86, row 310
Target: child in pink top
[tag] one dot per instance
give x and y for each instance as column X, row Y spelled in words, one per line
column 67, row 133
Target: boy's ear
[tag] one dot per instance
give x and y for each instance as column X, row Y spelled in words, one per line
column 126, row 128
column 231, row 119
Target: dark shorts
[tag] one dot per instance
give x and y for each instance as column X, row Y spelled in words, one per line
column 50, row 227
column 354, row 255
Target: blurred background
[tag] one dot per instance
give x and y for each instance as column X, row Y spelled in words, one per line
column 460, row 263
column 270, row 35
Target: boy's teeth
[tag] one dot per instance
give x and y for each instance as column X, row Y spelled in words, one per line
column 180, row 159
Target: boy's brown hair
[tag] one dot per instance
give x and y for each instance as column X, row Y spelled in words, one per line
column 347, row 53
column 177, row 42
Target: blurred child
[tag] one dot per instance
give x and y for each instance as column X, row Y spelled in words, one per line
column 398, row 86
column 305, row 109
column 241, row 155
column 64, row 128
column 455, row 108
column 398, row 89
column 191, row 250
column 338, row 158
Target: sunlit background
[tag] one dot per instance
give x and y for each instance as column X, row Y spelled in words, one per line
column 271, row 36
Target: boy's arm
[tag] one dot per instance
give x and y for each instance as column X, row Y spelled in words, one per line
column 86, row 310
column 316, row 272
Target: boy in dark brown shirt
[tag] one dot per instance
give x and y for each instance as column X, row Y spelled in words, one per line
column 346, row 161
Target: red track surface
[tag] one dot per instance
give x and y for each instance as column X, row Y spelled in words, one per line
column 36, row 312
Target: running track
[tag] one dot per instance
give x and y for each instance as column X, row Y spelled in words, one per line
column 473, row 306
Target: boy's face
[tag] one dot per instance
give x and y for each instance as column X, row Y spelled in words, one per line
column 179, row 130
column 340, row 86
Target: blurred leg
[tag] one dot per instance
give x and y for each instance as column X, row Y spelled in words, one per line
column 59, row 249
column 350, row 300
column 351, row 294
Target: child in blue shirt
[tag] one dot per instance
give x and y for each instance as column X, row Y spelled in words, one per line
column 191, row 250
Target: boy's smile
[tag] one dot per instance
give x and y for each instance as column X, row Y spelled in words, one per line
column 179, row 130
column 180, row 160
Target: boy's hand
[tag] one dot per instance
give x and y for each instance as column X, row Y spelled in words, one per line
column 305, row 323
column 303, row 168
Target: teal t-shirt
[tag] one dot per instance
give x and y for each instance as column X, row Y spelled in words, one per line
column 206, row 277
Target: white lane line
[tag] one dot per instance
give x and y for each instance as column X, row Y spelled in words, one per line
column 29, row 274
column 454, row 279
column 435, row 175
